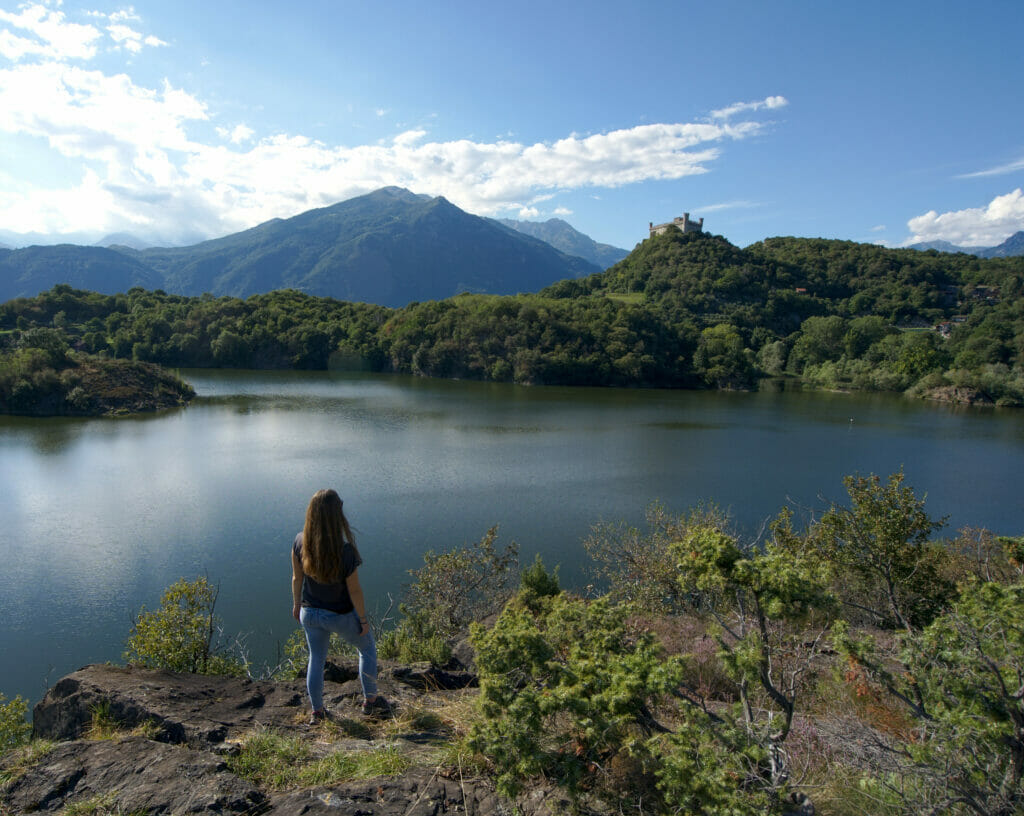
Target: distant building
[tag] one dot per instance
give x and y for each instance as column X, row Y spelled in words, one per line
column 683, row 224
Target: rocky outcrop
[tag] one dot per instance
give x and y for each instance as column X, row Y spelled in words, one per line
column 422, row 792
column 191, row 709
column 170, row 738
column 135, row 775
column 961, row 395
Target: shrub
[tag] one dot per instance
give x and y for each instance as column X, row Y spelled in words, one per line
column 960, row 678
column 886, row 568
column 564, row 693
column 450, row 590
column 414, row 640
column 711, row 767
column 980, row 555
column 768, row 610
column 15, row 729
column 180, row 635
column 536, row 582
column 638, row 567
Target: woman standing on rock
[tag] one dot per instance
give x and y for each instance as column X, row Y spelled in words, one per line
column 327, row 597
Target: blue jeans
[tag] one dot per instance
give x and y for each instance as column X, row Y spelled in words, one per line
column 318, row 625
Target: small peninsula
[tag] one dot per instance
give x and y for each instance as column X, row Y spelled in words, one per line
column 40, row 377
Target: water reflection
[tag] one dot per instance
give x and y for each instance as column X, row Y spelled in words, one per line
column 52, row 435
column 99, row 516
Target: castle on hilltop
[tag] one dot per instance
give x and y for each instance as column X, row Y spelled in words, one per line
column 683, row 224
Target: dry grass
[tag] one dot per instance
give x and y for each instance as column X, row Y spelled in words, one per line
column 101, row 804
column 280, row 762
column 103, row 726
column 16, row 763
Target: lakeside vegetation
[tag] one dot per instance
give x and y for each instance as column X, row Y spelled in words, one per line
column 682, row 311
column 860, row 662
column 41, row 376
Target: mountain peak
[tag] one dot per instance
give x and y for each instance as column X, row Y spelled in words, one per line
column 1014, row 245
column 398, row 194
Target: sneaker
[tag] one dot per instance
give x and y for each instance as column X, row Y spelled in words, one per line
column 317, row 717
column 378, row 707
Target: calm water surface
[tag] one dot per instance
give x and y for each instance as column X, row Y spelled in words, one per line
column 97, row 517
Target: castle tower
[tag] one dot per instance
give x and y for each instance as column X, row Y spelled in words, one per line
column 683, row 224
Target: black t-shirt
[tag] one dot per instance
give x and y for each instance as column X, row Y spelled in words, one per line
column 332, row 597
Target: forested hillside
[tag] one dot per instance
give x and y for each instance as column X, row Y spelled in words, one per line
column 33, row 269
column 681, row 311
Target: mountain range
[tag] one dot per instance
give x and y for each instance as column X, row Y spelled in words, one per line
column 569, row 240
column 1011, row 247
column 29, row 271
column 388, row 247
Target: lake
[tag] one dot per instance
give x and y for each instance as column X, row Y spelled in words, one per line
column 98, row 516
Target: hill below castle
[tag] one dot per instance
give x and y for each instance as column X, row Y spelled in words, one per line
column 681, row 311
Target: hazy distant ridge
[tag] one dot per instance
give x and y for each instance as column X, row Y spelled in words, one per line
column 564, row 237
column 1011, row 247
column 29, row 271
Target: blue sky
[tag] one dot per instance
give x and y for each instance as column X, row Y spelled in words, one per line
column 873, row 121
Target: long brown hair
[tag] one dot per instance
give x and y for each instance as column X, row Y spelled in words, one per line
column 324, row 536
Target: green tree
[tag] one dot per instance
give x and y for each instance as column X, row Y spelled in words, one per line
column 821, row 339
column 861, row 333
column 182, row 634
column 230, row 349
column 721, row 357
column 52, row 342
column 885, row 564
column 769, row 609
column 15, row 729
column 771, row 359
column 568, row 690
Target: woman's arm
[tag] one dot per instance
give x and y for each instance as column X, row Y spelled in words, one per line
column 355, row 592
column 297, row 576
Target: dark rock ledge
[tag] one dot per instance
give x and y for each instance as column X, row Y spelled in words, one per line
column 191, row 723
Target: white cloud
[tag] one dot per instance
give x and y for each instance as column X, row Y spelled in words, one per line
column 88, row 114
column 40, row 31
column 977, row 226
column 130, row 39
column 1001, row 170
column 727, row 205
column 562, row 211
column 124, row 15
column 237, row 135
column 49, row 35
column 769, row 103
column 878, row 228
column 139, row 161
